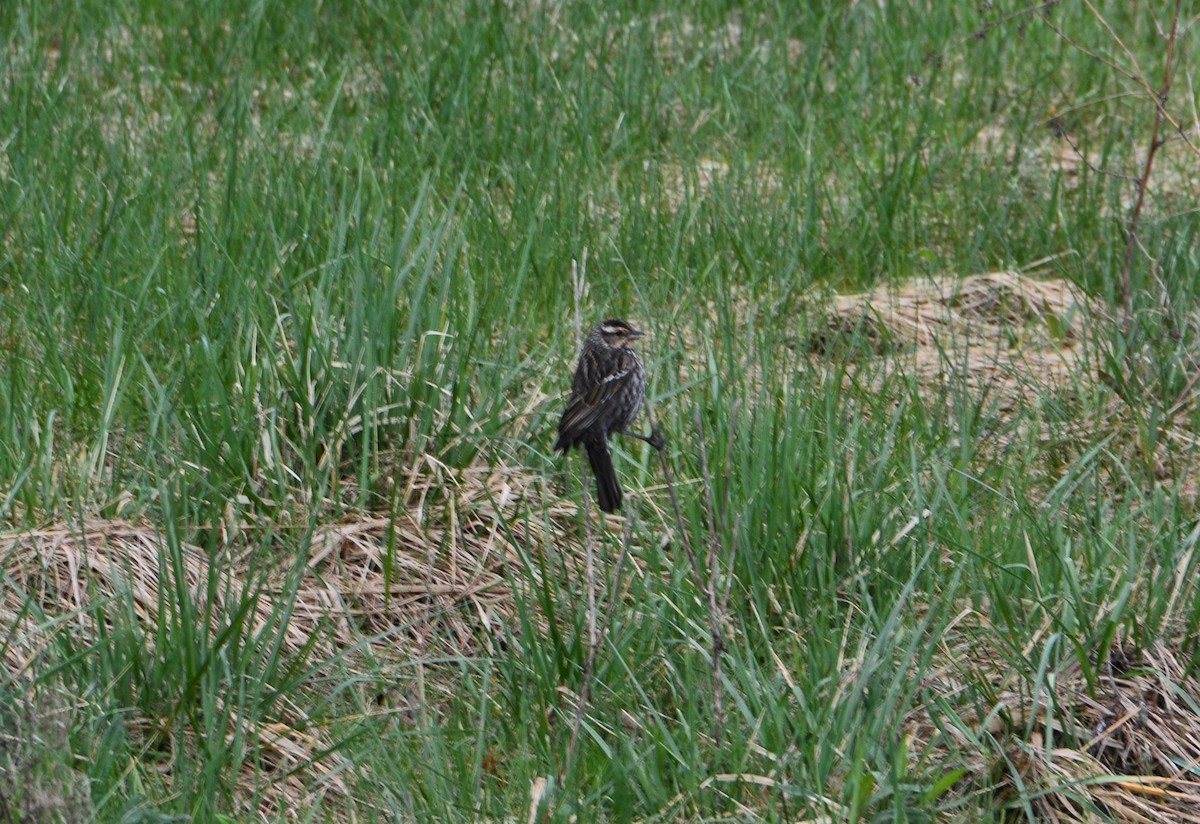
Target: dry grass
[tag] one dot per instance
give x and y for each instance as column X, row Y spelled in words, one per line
column 1129, row 746
column 1012, row 338
column 447, row 574
column 1003, row 334
column 66, row 571
column 433, row 583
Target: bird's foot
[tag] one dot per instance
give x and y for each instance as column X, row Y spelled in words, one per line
column 656, row 439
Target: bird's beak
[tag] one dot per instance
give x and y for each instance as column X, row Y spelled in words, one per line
column 636, row 333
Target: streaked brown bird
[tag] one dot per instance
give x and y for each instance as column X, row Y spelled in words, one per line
column 608, row 391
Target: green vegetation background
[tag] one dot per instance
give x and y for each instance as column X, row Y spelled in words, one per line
column 260, row 257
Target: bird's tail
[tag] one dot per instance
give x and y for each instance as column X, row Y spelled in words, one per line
column 608, row 491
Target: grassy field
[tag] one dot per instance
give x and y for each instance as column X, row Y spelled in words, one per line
column 289, row 296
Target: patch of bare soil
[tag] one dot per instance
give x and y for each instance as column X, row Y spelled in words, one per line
column 1002, row 334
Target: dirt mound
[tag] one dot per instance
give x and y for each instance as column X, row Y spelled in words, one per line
column 1003, row 334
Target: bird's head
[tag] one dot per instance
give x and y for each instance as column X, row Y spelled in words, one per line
column 617, row 333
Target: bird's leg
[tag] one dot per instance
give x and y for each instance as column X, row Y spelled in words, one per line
column 655, row 438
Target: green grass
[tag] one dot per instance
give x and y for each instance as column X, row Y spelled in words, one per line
column 263, row 261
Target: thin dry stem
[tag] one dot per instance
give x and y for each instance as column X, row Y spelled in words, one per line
column 1160, row 99
column 669, row 479
column 733, row 416
column 579, row 285
column 1160, row 113
column 579, row 278
column 1092, row 166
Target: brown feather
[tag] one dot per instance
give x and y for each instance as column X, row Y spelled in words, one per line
column 606, row 394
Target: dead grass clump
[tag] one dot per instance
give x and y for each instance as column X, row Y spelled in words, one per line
column 63, row 572
column 437, row 569
column 1126, row 750
column 1004, row 334
column 1138, row 742
column 436, row 577
column 431, row 584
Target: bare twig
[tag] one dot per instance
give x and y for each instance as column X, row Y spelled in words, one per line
column 1136, row 76
column 737, row 523
column 1155, row 144
column 1139, row 77
column 1079, row 47
column 733, row 416
column 1086, row 162
column 737, row 526
column 590, row 563
column 709, row 506
column 983, row 31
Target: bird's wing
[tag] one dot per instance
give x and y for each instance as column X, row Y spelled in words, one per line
column 591, row 394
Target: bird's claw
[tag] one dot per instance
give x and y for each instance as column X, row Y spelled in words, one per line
column 656, row 439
